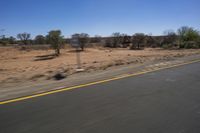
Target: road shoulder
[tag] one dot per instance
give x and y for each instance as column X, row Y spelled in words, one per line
column 83, row 78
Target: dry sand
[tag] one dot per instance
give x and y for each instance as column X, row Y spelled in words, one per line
column 21, row 66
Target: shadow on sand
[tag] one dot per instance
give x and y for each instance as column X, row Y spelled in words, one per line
column 45, row 57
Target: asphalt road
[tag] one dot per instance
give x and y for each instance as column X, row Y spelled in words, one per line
column 166, row 101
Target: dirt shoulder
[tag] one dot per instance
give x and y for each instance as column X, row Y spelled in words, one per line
column 19, row 67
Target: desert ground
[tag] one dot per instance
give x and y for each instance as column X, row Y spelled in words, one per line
column 25, row 65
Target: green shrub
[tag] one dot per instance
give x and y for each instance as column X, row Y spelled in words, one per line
column 190, row 45
column 167, row 46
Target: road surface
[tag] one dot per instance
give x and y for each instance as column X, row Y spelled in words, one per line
column 166, row 101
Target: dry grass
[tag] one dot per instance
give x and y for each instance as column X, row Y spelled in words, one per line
column 16, row 65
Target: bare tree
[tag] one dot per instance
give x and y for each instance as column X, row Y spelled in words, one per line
column 24, row 37
column 137, row 40
column 11, row 40
column 126, row 40
column 169, row 38
column 150, row 41
column 95, row 39
column 116, row 39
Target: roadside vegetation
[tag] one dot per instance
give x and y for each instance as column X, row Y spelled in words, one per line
column 184, row 38
column 34, row 65
column 53, row 56
column 56, row 40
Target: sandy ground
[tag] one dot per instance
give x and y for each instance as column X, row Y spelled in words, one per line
column 21, row 66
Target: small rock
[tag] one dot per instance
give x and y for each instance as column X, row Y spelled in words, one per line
column 59, row 76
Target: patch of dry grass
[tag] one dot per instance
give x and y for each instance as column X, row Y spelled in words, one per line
column 17, row 65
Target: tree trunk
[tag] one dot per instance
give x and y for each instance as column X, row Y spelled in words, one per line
column 57, row 51
column 138, row 45
column 82, row 48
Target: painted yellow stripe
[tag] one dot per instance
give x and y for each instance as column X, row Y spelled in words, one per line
column 94, row 83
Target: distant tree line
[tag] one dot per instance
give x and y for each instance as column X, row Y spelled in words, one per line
column 185, row 37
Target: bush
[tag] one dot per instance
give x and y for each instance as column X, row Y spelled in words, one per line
column 167, row 46
column 56, row 40
column 190, row 45
column 126, row 40
column 108, row 43
column 4, row 43
column 40, row 39
column 138, row 41
column 188, row 37
column 116, row 40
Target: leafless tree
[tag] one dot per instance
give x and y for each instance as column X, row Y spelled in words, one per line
column 24, row 37
column 137, row 40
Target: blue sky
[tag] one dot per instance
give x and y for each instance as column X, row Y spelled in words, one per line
column 97, row 17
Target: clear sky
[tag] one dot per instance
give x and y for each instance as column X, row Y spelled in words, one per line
column 97, row 17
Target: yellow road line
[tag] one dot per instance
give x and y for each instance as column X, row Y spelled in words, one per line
column 93, row 83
